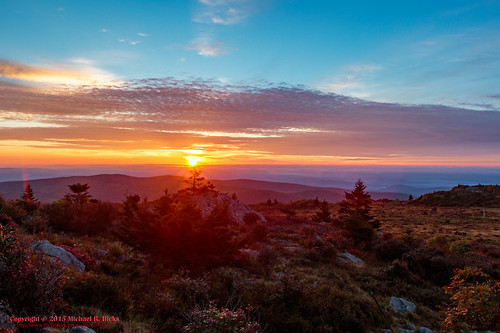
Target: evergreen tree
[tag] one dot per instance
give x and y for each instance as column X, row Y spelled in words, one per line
column 197, row 184
column 28, row 201
column 323, row 214
column 355, row 216
column 79, row 194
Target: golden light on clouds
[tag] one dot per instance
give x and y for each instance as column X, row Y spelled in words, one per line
column 79, row 72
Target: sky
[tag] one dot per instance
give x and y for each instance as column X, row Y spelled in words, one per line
column 250, row 82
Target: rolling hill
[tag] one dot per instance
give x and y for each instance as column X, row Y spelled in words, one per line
column 114, row 187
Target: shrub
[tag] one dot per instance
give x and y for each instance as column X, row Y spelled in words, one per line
column 35, row 224
column 251, row 218
column 475, row 301
column 438, row 241
column 30, row 283
column 98, row 290
column 116, row 250
column 215, row 319
column 90, row 263
column 431, row 264
column 459, row 248
column 390, row 249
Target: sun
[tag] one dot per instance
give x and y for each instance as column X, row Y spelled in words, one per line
column 193, row 160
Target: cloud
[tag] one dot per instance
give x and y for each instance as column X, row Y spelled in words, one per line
column 351, row 81
column 75, row 72
column 270, row 123
column 142, row 34
column 224, row 12
column 208, row 47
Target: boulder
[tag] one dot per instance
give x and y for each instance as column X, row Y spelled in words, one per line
column 237, row 210
column 5, row 313
column 53, row 251
column 411, row 327
column 346, row 257
column 425, row 330
column 81, row 329
column 402, row 306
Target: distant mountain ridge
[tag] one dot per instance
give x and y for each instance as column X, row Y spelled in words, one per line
column 114, row 187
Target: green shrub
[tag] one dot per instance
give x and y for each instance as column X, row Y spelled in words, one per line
column 459, row 248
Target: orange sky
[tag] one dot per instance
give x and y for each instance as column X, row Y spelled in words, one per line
column 98, row 120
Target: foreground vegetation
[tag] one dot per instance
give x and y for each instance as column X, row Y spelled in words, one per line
column 160, row 266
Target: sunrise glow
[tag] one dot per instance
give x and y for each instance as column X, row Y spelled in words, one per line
column 200, row 84
column 193, row 160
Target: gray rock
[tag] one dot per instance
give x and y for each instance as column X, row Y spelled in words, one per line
column 387, row 330
column 402, row 330
column 237, row 210
column 402, row 306
column 81, row 329
column 346, row 257
column 102, row 253
column 58, row 252
column 411, row 327
column 425, row 330
column 4, row 320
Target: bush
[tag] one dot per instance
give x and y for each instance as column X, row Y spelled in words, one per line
column 390, row 249
column 459, row 248
column 90, row 263
column 431, row 264
column 223, row 320
column 98, row 290
column 31, row 283
column 475, row 301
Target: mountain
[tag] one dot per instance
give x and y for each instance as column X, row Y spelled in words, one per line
column 114, row 187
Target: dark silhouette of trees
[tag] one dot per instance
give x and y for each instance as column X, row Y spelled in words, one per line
column 323, row 214
column 79, row 194
column 197, row 184
column 355, row 216
column 28, row 201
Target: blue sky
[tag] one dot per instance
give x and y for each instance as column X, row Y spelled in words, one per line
column 425, row 52
column 250, row 81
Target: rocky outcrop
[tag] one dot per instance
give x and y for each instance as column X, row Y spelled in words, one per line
column 237, row 210
column 402, row 306
column 64, row 256
column 346, row 257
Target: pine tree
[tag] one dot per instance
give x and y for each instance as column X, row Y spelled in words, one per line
column 323, row 214
column 355, row 215
column 79, row 195
column 28, row 200
column 197, row 184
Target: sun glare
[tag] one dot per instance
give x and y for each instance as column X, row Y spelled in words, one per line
column 193, row 160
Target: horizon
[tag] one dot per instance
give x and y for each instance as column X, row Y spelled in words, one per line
column 230, row 82
column 381, row 178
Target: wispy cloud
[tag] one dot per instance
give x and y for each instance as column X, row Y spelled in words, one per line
column 266, row 123
column 77, row 71
column 142, row 34
column 351, row 81
column 225, row 12
column 208, row 47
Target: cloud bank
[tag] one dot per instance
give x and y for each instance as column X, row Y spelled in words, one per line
column 159, row 118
